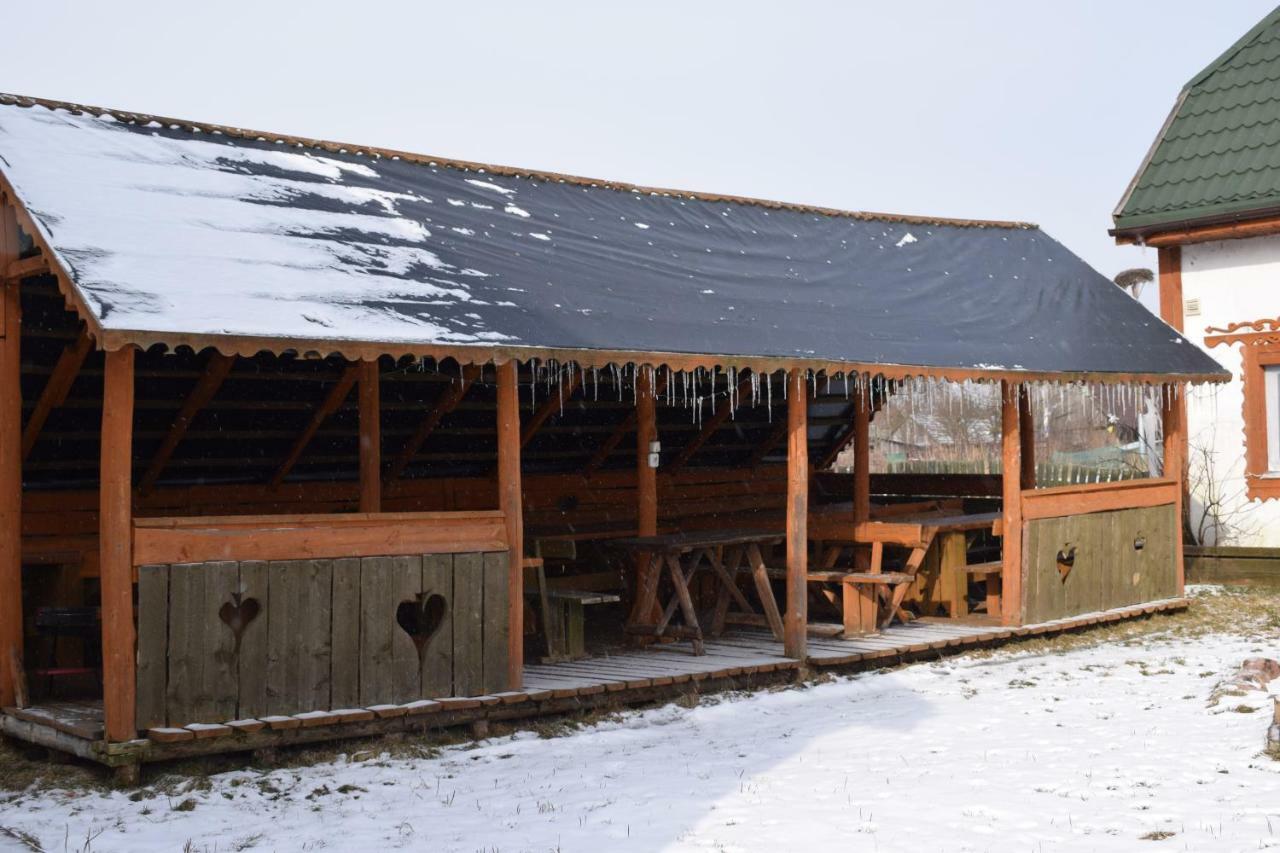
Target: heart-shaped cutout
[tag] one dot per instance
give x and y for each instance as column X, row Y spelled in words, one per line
column 422, row 617
column 237, row 613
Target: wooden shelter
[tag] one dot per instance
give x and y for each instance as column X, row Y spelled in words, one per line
column 331, row 435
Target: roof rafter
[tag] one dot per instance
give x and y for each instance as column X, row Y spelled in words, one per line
column 332, row 402
column 449, row 400
column 56, row 389
column 215, row 373
column 709, row 428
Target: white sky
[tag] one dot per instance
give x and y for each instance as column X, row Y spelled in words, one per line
column 1006, row 110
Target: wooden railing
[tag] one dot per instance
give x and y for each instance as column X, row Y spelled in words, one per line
column 295, row 537
column 1097, row 497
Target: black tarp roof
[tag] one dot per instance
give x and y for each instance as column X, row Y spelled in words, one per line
column 168, row 228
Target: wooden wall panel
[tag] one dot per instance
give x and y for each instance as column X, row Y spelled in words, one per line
column 345, row 632
column 298, row 622
column 153, row 645
column 254, row 635
column 437, row 652
column 495, row 676
column 203, row 680
column 468, row 624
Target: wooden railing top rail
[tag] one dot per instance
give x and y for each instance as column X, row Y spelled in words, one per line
column 1097, row 497
column 294, row 520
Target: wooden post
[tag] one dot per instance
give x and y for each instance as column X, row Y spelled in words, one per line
column 1173, row 413
column 861, row 483
column 509, row 501
column 370, row 438
column 1173, row 407
column 1027, row 430
column 646, row 494
column 1011, row 551
column 115, row 544
column 10, row 465
column 795, row 625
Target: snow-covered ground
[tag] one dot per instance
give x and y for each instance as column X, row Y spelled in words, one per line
column 1084, row 749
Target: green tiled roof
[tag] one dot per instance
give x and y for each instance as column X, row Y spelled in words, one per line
column 1218, row 154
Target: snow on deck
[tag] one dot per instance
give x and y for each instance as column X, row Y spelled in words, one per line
column 1090, row 749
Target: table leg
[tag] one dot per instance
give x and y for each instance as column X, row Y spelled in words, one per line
column 647, row 590
column 951, row 559
column 680, row 582
column 900, row 591
column 763, row 588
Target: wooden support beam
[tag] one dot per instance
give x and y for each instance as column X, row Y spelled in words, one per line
column 115, row 537
column 862, row 407
column 1173, row 411
column 56, row 389
column 332, row 402
column 1027, row 432
column 215, row 372
column 370, row 437
column 709, row 428
column 510, row 502
column 780, row 431
column 1011, row 493
column 10, row 465
column 795, row 623
column 16, row 270
column 448, row 401
column 647, row 572
column 549, row 407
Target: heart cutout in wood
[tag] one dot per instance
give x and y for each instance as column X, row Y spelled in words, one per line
column 422, row 617
column 1066, row 560
column 237, row 613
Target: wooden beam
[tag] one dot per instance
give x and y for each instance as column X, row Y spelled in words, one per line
column 774, row 438
column 549, row 407
column 1027, row 432
column 332, row 402
column 215, row 372
column 448, row 401
column 1169, row 259
column 10, row 465
column 115, row 535
column 510, row 502
column 17, row 270
column 709, row 428
column 370, row 437
column 1210, row 233
column 646, row 474
column 862, row 456
column 1173, row 409
column 795, row 622
column 1011, row 510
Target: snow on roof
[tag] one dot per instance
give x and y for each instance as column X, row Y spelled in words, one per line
column 179, row 229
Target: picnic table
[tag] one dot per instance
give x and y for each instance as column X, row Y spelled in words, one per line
column 681, row 556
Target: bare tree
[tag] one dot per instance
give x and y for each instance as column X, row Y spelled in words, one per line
column 1219, row 503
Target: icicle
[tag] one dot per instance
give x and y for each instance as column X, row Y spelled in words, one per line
column 768, row 387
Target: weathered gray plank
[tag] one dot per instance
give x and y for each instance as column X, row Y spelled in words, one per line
column 496, row 624
column 299, row 635
column 203, row 680
column 437, row 652
column 345, row 691
column 254, row 586
column 468, row 624
column 153, row 642
column 389, row 665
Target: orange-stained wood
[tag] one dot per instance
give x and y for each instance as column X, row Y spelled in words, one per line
column 795, row 622
column 10, row 465
column 1170, row 262
column 1027, row 431
column 55, row 390
column 646, row 510
column 370, row 437
column 1011, row 505
column 1097, row 497
column 1174, row 413
column 332, row 402
column 116, row 546
column 448, row 401
column 549, row 407
column 510, row 503
column 861, row 457
column 301, row 537
column 1209, row 233
column 620, row 432
column 709, row 427
column 215, row 373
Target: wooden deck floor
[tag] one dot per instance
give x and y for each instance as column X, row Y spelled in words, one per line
column 741, row 658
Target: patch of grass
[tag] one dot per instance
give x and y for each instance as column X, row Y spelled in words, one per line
column 1157, row 835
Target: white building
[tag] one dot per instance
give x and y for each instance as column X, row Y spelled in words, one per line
column 1208, row 196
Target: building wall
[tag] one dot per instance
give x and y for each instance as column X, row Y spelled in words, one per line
column 1234, row 281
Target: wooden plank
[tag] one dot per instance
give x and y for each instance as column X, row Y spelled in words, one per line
column 510, row 502
column 381, row 595
column 468, row 624
column 645, row 609
column 796, row 618
column 215, row 373
column 298, row 657
column 1097, row 497
column 203, row 681
column 331, row 403
column 283, row 538
column 115, row 564
column 370, row 437
column 55, row 391
column 254, row 643
column 437, row 652
column 153, row 641
column 345, row 633
column 496, row 671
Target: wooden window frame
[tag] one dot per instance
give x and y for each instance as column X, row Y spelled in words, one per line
column 1260, row 482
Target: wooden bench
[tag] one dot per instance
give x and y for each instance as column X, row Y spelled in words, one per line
column 562, row 612
column 862, row 597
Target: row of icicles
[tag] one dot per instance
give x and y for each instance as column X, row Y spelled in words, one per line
column 702, row 391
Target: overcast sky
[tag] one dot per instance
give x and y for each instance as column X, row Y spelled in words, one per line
column 1004, row 110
